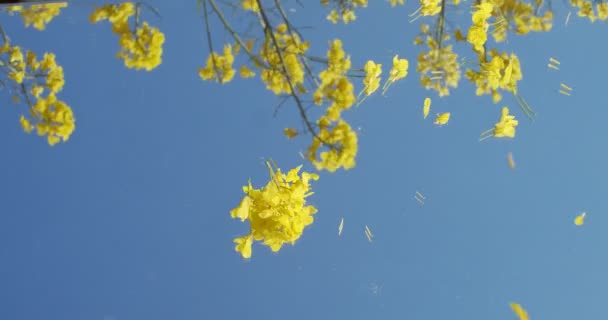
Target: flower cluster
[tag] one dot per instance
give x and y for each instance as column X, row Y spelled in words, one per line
column 285, row 56
column 334, row 133
column 585, row 9
column 438, row 67
column 53, row 118
column 219, row 67
column 142, row 46
column 38, row 15
column 38, row 82
column 501, row 72
column 520, row 16
column 345, row 9
column 477, row 35
column 277, row 213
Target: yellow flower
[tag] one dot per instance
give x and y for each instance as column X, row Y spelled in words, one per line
column 506, row 125
column 372, row 77
column 504, row 128
column 399, row 69
column 243, row 245
column 427, row 107
column 246, row 72
column 290, row 132
column 26, row 124
column 442, row 118
column 334, row 17
column 580, row 219
column 519, row 311
column 251, row 5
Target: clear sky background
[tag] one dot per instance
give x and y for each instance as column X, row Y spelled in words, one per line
column 130, row 219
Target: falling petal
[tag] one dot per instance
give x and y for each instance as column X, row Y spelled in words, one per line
column 340, row 227
column 427, row 107
column 580, row 219
column 442, row 118
column 511, row 161
column 519, row 311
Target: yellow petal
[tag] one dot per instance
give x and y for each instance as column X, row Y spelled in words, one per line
column 340, row 227
column 580, row 219
column 242, row 211
column 243, row 245
column 442, row 118
column 511, row 161
column 427, row 107
column 519, row 311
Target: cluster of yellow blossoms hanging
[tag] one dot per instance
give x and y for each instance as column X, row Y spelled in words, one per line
column 219, row 67
column 141, row 48
column 277, row 213
column 38, row 15
column 334, row 133
column 438, row 67
column 37, row 83
column 502, row 71
column 585, row 9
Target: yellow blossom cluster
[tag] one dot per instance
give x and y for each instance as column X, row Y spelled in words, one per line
column 504, row 128
column 141, row 46
column 501, row 72
column 32, row 77
column 335, row 85
column 520, row 16
column 345, row 9
column 477, row 35
column 287, row 56
column 342, row 140
column 277, row 213
column 334, row 133
column 219, row 67
column 585, row 9
column 53, row 118
column 38, row 15
column 438, row 67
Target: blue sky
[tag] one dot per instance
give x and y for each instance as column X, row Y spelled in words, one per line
column 130, row 218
